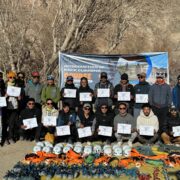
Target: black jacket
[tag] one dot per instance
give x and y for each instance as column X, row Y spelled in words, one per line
column 141, row 88
column 170, row 122
column 30, row 113
column 73, row 102
column 129, row 88
column 104, row 119
column 65, row 118
column 84, row 90
column 2, row 87
column 86, row 121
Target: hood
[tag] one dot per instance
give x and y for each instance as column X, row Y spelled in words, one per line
column 146, row 117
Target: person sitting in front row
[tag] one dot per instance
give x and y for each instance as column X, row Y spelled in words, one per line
column 103, row 117
column 85, row 118
column 48, row 110
column 147, row 118
column 28, row 113
column 66, row 117
column 125, row 118
column 173, row 120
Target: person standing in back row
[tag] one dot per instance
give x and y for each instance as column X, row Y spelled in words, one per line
column 160, row 98
column 104, row 83
column 124, row 86
column 72, row 101
column 141, row 88
column 33, row 89
column 51, row 91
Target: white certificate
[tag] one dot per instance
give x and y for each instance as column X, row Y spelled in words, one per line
column 70, row 93
column 103, row 92
column 63, row 130
column 49, row 120
column 124, row 128
column 3, row 102
column 13, row 91
column 176, row 131
column 85, row 97
column 105, row 131
column 84, row 132
column 141, row 98
column 30, row 123
column 124, row 96
column 146, row 130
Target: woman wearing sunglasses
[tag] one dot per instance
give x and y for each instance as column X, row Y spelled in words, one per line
column 49, row 117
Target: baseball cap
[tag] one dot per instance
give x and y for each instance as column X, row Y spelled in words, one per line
column 69, row 78
column 50, row 77
column 35, row 73
column 87, row 105
column 103, row 74
column 141, row 74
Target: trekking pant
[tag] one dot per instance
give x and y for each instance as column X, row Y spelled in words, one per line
column 161, row 113
column 12, row 118
column 148, row 139
column 131, row 137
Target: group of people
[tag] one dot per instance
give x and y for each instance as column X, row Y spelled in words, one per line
column 41, row 101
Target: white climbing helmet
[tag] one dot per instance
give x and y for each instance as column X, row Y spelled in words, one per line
column 67, row 147
column 107, row 150
column 57, row 149
column 87, row 150
column 97, row 149
column 37, row 148
column 117, row 150
column 78, row 148
column 47, row 149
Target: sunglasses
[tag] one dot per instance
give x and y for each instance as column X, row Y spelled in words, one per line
column 122, row 108
column 11, row 77
column 87, row 108
column 140, row 77
column 35, row 77
column 49, row 103
column 31, row 103
column 104, row 107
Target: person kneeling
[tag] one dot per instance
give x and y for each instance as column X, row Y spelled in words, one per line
column 30, row 122
column 147, row 118
column 173, row 120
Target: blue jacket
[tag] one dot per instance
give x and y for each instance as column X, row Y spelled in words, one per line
column 65, row 118
column 176, row 96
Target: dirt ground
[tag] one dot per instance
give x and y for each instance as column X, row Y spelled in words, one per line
column 11, row 154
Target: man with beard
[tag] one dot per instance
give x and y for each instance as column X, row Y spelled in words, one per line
column 147, row 118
